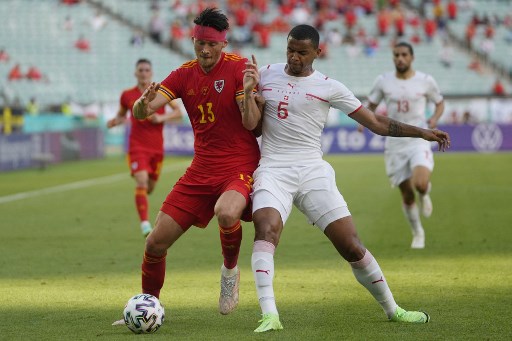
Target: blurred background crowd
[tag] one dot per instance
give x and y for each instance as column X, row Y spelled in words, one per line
column 74, row 57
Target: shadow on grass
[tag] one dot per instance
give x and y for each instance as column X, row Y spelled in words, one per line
column 315, row 321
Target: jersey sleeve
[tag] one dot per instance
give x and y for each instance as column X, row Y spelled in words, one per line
column 433, row 92
column 376, row 94
column 343, row 99
column 170, row 87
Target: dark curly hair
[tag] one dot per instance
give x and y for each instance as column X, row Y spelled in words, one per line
column 212, row 17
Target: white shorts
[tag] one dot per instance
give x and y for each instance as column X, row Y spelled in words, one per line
column 312, row 189
column 399, row 165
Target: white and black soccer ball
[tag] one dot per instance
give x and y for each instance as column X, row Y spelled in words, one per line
column 143, row 314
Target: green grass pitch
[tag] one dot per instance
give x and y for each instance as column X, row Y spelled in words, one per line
column 70, row 258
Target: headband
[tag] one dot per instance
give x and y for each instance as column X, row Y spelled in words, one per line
column 209, row 34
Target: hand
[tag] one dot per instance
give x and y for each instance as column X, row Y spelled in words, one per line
column 150, row 93
column 251, row 75
column 442, row 138
column 140, row 107
column 112, row 123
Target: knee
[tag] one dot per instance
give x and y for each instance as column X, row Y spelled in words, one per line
column 154, row 246
column 227, row 216
column 355, row 250
column 142, row 181
column 265, row 230
column 343, row 236
column 421, row 185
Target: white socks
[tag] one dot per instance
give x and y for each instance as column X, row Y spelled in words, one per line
column 367, row 272
column 262, row 262
column 412, row 214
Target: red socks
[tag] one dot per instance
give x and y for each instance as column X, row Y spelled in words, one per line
column 230, row 239
column 153, row 267
column 141, row 202
column 153, row 274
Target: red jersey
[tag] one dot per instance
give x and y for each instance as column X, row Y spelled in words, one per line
column 144, row 135
column 221, row 143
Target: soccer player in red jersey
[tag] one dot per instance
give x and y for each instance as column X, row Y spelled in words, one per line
column 219, row 179
column 146, row 144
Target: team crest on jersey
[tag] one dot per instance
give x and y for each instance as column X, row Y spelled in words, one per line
column 219, row 85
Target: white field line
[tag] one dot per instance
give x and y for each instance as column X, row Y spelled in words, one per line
column 81, row 184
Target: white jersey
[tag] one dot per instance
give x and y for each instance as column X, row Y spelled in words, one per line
column 406, row 101
column 296, row 111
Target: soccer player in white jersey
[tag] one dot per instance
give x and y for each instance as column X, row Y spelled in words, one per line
column 409, row 162
column 292, row 171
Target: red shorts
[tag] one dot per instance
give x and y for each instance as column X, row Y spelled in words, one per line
column 193, row 198
column 146, row 161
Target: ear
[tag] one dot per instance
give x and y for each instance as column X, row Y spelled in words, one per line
column 224, row 44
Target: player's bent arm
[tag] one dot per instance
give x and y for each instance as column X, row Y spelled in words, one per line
column 174, row 116
column 251, row 111
column 432, row 122
column 144, row 108
column 260, row 101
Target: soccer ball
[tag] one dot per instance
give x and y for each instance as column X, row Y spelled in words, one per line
column 143, row 314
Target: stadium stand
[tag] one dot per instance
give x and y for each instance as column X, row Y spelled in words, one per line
column 33, row 33
column 43, row 33
column 495, row 15
column 495, row 11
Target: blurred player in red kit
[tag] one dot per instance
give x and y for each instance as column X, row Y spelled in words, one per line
column 146, row 144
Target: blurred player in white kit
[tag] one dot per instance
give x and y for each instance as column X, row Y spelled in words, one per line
column 409, row 161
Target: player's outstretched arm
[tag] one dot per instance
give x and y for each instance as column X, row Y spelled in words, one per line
column 149, row 102
column 385, row 126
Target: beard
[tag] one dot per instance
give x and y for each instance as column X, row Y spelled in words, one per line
column 402, row 68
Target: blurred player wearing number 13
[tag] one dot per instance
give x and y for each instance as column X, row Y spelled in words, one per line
column 409, row 162
column 219, row 179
